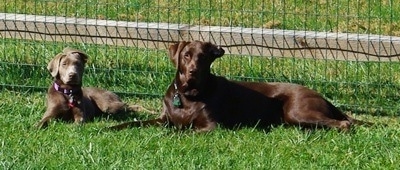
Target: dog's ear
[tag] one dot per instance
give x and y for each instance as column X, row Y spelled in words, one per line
column 71, row 51
column 175, row 50
column 213, row 50
column 54, row 64
column 218, row 52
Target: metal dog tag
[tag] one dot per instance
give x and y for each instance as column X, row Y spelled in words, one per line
column 176, row 101
column 71, row 101
column 71, row 98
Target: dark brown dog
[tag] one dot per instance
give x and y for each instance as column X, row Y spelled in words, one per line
column 196, row 98
column 67, row 100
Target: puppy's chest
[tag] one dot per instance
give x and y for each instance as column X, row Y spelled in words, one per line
column 74, row 105
column 71, row 105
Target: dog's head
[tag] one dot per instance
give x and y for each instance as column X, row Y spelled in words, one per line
column 193, row 60
column 68, row 66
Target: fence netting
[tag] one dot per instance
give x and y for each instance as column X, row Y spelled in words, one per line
column 346, row 50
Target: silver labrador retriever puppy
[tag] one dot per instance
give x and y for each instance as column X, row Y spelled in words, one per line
column 67, row 100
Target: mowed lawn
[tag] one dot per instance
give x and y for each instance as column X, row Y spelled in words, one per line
column 65, row 145
column 366, row 90
column 70, row 146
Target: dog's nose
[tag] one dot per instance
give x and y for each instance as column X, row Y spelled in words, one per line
column 192, row 71
column 71, row 75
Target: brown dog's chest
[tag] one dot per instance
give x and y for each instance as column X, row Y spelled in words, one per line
column 186, row 116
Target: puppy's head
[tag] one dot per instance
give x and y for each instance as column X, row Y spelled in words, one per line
column 193, row 60
column 68, row 66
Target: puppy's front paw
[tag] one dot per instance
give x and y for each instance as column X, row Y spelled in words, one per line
column 79, row 120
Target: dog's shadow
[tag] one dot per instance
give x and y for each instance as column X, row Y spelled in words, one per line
column 271, row 127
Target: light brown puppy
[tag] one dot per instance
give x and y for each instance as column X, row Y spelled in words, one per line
column 67, row 100
column 198, row 99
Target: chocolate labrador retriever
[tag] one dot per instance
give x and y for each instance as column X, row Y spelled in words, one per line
column 67, row 100
column 198, row 99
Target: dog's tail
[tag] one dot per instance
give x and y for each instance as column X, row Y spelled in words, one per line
column 125, row 125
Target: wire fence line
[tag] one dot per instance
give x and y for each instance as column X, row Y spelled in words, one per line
column 347, row 50
column 243, row 41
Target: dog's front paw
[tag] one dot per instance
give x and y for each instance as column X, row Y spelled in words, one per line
column 41, row 125
column 79, row 120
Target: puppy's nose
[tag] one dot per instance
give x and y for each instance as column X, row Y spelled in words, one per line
column 72, row 75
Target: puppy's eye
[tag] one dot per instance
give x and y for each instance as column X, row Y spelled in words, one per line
column 186, row 56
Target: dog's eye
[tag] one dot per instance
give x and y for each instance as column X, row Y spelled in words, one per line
column 186, row 56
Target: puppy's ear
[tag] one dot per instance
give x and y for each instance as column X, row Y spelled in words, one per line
column 72, row 51
column 54, row 64
column 175, row 50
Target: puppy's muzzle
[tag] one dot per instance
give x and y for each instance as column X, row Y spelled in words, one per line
column 72, row 76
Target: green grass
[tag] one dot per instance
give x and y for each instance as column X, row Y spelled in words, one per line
column 140, row 76
column 366, row 90
column 70, row 146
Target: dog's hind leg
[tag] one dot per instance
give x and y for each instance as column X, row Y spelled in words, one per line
column 318, row 119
